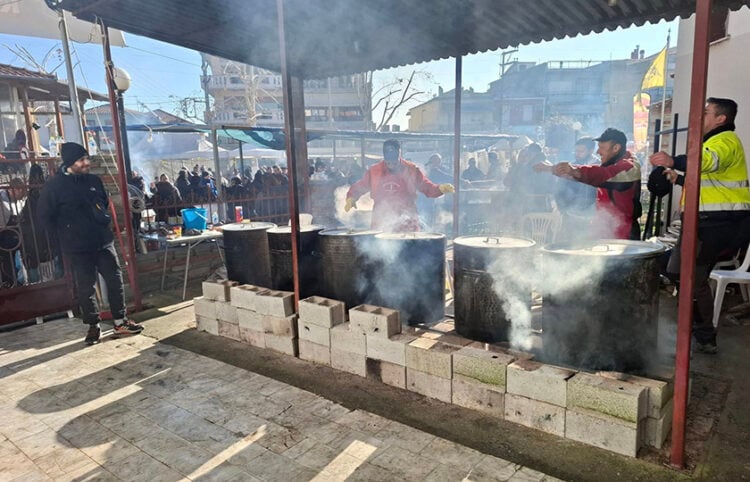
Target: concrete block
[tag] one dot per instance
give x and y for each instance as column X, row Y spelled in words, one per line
column 485, row 366
column 375, row 320
column 314, row 352
column 535, row 414
column 657, row 430
column 392, row 350
column 280, row 326
column 545, row 383
column 252, row 337
column 209, row 325
column 343, row 338
column 469, row 393
column 617, row 398
column 660, row 392
column 428, row 385
column 320, row 335
column 349, row 362
column 226, row 312
column 386, row 372
column 322, row 311
column 282, row 344
column 275, row 303
column 218, row 290
column 431, row 357
column 610, row 433
column 229, row 330
column 446, row 337
column 249, row 320
column 243, row 296
column 204, row 307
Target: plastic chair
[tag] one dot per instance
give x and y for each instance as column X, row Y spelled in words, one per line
column 541, row 227
column 724, row 277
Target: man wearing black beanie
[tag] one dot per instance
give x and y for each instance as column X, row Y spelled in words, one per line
column 75, row 205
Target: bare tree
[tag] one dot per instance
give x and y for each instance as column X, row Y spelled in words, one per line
column 395, row 94
column 38, row 66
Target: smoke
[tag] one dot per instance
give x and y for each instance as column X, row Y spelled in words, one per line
column 358, row 217
column 407, row 272
column 599, row 303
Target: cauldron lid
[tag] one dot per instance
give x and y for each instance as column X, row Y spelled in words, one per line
column 494, row 242
column 302, row 229
column 610, row 248
column 349, row 232
column 247, row 226
column 410, row 236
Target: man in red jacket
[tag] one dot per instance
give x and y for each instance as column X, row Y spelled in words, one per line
column 393, row 184
column 618, row 183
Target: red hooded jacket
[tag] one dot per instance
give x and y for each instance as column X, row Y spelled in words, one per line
column 618, row 184
column 394, row 195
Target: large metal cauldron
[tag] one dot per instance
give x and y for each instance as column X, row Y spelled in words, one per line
column 604, row 315
column 489, row 272
column 280, row 246
column 409, row 275
column 345, row 266
column 246, row 253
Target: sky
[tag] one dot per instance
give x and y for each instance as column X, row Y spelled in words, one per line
column 162, row 73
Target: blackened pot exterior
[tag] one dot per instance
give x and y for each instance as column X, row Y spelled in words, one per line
column 605, row 317
column 280, row 247
column 246, row 253
column 345, row 267
column 488, row 274
column 409, row 275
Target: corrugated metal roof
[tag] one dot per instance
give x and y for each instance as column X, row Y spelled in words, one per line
column 17, row 73
column 335, row 37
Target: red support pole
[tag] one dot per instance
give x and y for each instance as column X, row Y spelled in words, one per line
column 129, row 253
column 294, row 124
column 689, row 228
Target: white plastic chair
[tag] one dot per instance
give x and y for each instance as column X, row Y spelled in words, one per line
column 724, row 277
column 541, row 227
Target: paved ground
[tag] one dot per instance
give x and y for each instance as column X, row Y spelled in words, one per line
column 139, row 409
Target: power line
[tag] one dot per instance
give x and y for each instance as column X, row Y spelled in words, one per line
column 162, row 55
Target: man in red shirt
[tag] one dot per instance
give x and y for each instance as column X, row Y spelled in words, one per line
column 618, row 183
column 393, row 184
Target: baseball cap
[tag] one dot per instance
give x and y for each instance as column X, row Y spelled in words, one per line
column 613, row 135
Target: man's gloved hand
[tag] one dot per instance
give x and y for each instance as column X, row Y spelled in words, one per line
column 350, row 203
column 446, row 188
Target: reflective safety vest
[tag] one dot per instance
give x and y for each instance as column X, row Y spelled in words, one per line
column 724, row 180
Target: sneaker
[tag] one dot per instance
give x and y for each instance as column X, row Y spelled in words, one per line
column 707, row 348
column 92, row 336
column 127, row 327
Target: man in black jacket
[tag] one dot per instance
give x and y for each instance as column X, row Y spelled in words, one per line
column 75, row 204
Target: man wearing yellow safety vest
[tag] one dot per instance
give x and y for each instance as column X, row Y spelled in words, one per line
column 724, row 207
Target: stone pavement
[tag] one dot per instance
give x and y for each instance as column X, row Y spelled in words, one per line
column 137, row 409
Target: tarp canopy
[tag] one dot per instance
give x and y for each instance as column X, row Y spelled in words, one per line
column 32, row 18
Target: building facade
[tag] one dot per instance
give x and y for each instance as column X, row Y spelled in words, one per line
column 250, row 96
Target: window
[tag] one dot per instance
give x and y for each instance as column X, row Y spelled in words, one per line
column 235, row 80
column 717, row 28
column 347, row 114
column 316, row 114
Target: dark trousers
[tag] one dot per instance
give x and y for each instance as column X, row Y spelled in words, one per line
column 714, row 237
column 85, row 267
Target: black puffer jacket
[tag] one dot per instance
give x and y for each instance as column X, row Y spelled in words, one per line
column 77, row 208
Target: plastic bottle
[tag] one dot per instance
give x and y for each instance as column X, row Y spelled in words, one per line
column 52, row 146
column 92, row 147
column 215, row 218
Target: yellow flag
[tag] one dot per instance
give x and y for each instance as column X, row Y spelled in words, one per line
column 656, row 73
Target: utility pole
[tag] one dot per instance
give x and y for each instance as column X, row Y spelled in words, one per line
column 503, row 64
column 205, row 80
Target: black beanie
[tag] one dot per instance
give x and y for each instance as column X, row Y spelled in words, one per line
column 71, row 152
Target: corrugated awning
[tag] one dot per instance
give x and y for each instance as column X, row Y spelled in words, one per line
column 336, row 37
